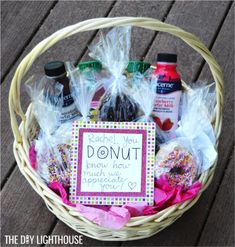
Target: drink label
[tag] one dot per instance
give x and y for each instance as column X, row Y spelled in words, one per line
column 68, row 100
column 164, row 87
column 69, row 109
column 167, row 104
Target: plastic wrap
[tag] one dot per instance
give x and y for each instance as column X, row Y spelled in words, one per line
column 52, row 146
column 113, row 52
column 198, row 110
column 47, row 102
column 144, row 93
column 53, row 155
column 193, row 149
column 83, row 87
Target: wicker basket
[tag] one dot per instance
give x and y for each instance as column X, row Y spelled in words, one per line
column 137, row 227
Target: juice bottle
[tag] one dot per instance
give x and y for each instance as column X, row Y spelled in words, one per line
column 168, row 92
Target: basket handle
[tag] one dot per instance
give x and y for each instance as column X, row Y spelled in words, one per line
column 98, row 23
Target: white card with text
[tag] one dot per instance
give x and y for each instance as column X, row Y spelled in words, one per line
column 112, row 163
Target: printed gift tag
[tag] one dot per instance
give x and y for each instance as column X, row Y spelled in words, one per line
column 112, row 163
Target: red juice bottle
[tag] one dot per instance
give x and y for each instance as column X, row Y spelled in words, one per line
column 169, row 89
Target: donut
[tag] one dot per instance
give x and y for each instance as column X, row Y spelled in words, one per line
column 59, row 167
column 178, row 164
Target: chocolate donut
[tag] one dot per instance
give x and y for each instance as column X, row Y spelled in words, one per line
column 118, row 108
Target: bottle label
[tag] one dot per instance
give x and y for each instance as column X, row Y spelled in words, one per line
column 166, row 106
column 164, row 87
column 69, row 109
column 68, row 100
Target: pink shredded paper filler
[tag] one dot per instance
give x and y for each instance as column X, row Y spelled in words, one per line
column 110, row 217
column 33, row 156
column 115, row 217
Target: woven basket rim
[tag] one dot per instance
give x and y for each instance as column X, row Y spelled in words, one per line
column 138, row 227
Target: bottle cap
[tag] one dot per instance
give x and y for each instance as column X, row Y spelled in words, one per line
column 94, row 64
column 137, row 66
column 167, row 57
column 54, row 68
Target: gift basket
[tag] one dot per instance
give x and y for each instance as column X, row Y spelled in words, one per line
column 178, row 165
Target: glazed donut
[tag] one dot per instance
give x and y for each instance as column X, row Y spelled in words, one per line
column 178, row 164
